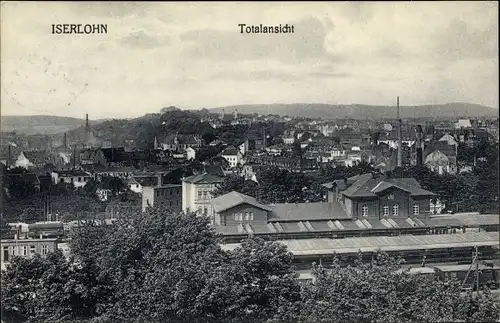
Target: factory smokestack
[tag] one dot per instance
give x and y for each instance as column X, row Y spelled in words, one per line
column 87, row 121
column 399, row 138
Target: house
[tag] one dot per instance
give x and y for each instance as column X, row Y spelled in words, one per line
column 167, row 196
column 463, row 123
column 197, row 191
column 441, row 157
column 249, row 171
column 134, row 185
column 368, row 196
column 448, row 139
column 408, row 138
column 26, row 248
column 353, row 137
column 232, row 155
column 190, row 153
column 92, row 157
column 179, row 142
column 234, row 209
column 275, row 150
column 76, row 177
column 217, row 142
column 120, row 172
column 115, row 157
column 400, row 210
column 38, row 159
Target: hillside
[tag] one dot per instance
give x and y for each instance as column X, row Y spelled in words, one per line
column 41, row 124
column 358, row 111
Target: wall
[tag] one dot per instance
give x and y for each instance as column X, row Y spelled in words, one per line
column 147, row 197
column 16, row 247
column 401, row 198
column 259, row 215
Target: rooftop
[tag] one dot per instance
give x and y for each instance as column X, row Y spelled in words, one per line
column 307, row 212
column 309, row 247
column 233, row 199
column 204, row 179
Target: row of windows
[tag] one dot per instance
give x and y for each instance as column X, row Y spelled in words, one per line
column 23, row 251
column 203, row 195
column 239, row 216
column 386, row 209
column 166, row 192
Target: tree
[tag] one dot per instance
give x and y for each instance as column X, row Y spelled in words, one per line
column 257, row 279
column 238, row 184
column 157, row 263
column 49, row 289
column 381, row 292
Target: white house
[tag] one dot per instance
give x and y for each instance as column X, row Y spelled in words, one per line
column 463, row 123
column 76, row 177
column 190, row 153
column 134, row 185
column 232, row 155
column 197, row 192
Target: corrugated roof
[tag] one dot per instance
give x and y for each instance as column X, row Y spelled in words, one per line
column 465, row 219
column 400, row 243
column 233, row 199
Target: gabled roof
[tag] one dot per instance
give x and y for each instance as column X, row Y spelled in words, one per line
column 204, row 179
column 373, row 187
column 339, row 183
column 37, row 156
column 233, row 199
column 230, row 151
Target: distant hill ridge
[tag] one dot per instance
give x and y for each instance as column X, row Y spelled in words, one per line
column 44, row 124
column 360, row 111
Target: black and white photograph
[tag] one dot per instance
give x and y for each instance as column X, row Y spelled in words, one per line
column 260, row 162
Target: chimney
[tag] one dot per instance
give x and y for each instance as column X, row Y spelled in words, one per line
column 399, row 137
column 87, row 121
column 160, row 179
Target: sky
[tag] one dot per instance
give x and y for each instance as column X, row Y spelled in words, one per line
column 192, row 55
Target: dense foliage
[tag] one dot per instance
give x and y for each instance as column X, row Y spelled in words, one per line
column 161, row 267
column 283, row 186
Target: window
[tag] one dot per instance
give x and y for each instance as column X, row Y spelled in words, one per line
column 25, row 250
column 386, row 210
column 251, row 216
column 199, row 195
column 416, row 209
column 364, row 211
column 247, row 216
column 6, row 254
column 79, row 179
column 395, row 210
column 45, row 249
